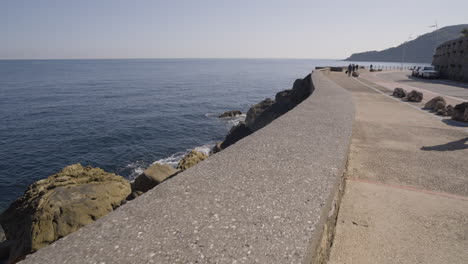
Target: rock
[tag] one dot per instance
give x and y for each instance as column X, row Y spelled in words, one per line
column 256, row 110
column 237, row 133
column 449, row 110
column 5, row 248
column 400, row 92
column 232, row 113
column 217, row 148
column 460, row 112
column 431, row 104
column 415, row 96
column 439, row 105
column 151, row 177
column 302, row 89
column 59, row 205
column 355, row 74
column 2, row 234
column 191, row 159
column 284, row 97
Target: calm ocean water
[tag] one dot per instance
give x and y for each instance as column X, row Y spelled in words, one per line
column 123, row 115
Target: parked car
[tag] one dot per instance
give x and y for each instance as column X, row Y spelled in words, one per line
column 429, row 72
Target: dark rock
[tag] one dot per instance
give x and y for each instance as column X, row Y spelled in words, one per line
column 415, row 96
column 460, row 112
column 2, row 234
column 449, row 110
column 191, row 159
column 302, row 89
column 400, row 92
column 217, row 148
column 255, row 111
column 5, row 248
column 284, row 97
column 237, row 133
column 151, row 177
column 59, row 205
column 433, row 103
column 232, row 113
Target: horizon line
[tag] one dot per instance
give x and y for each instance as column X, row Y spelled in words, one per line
column 169, row 58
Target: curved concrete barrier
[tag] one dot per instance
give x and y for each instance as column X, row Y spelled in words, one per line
column 265, row 199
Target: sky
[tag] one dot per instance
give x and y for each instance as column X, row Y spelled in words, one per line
column 79, row 29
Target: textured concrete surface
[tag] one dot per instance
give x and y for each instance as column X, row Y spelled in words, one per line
column 381, row 224
column 406, row 199
column 265, row 199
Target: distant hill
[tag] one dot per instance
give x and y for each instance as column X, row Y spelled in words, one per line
column 419, row 50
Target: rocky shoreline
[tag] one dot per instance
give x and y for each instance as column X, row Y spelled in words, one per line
column 59, row 205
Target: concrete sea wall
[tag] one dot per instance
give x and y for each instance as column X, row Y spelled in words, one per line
column 269, row 198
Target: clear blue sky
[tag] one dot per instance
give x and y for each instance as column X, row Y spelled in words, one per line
column 37, row 29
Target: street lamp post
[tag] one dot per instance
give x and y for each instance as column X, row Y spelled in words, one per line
column 404, row 52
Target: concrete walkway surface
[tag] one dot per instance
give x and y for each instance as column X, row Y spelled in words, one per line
column 406, row 197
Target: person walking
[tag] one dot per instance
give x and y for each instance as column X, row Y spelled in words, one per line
column 350, row 68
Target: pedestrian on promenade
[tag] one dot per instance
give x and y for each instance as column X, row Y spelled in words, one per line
column 371, row 67
column 350, row 68
column 357, row 67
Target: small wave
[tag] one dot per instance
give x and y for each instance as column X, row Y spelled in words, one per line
column 172, row 160
column 136, row 168
column 205, row 149
column 236, row 119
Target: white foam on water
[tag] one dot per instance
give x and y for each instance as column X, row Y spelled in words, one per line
column 137, row 168
column 205, row 149
column 234, row 121
column 172, row 160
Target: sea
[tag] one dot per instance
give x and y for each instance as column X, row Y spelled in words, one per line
column 122, row 115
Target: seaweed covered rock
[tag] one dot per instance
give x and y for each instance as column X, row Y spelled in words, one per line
column 400, row 92
column 59, row 205
column 415, row 96
column 191, row 159
column 460, row 112
column 232, row 113
column 152, row 176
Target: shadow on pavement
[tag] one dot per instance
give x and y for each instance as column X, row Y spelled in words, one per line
column 454, row 123
column 451, row 146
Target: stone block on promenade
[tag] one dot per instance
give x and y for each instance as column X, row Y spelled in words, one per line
column 400, row 92
column 415, row 96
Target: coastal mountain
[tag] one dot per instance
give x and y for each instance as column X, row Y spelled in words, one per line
column 418, row 50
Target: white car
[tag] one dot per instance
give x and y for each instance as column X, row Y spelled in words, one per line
column 428, row 72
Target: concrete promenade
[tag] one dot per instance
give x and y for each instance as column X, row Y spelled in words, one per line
column 406, row 197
